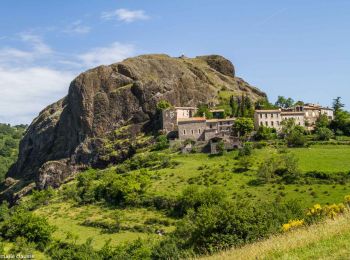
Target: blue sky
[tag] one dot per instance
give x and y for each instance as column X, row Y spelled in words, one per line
column 298, row 48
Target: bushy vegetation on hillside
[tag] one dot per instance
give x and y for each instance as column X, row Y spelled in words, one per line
column 9, row 141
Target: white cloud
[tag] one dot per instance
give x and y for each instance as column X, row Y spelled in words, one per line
column 107, row 55
column 37, row 43
column 125, row 15
column 77, row 28
column 36, row 76
column 26, row 91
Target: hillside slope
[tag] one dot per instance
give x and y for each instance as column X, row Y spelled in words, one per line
column 328, row 240
column 70, row 132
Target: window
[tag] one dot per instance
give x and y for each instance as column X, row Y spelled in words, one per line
column 278, row 122
column 199, row 131
column 184, row 131
column 260, row 115
column 267, row 123
column 271, row 123
column 265, row 115
column 261, row 123
column 210, row 126
column 271, row 115
column 192, row 132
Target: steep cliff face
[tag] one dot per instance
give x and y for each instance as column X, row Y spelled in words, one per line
column 107, row 98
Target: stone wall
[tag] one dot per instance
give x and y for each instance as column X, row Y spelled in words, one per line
column 193, row 130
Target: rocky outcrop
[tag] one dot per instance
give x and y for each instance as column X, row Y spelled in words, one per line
column 106, row 98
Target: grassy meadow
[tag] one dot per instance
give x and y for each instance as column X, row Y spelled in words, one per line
column 200, row 170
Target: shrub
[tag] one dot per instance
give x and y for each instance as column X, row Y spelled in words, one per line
column 25, row 224
column 292, row 224
column 162, row 105
column 324, row 134
column 161, row 143
column 246, row 149
column 220, row 226
column 63, row 250
column 192, row 198
column 221, row 147
column 282, row 167
column 265, row 133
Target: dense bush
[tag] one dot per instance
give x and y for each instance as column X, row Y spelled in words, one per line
column 146, row 160
column 265, row 133
column 22, row 223
column 246, row 149
column 192, row 198
column 323, row 134
column 9, row 140
column 214, row 227
column 161, row 143
column 283, row 167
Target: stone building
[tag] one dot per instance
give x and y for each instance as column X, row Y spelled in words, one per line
column 192, row 128
column 171, row 117
column 268, row 118
column 305, row 116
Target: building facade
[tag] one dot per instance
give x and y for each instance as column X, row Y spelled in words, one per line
column 305, row 116
column 171, row 117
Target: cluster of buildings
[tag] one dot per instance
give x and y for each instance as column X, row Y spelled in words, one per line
column 183, row 124
column 305, row 115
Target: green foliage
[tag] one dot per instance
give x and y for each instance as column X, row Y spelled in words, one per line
column 220, row 147
column 293, row 134
column 322, row 121
column 204, row 111
column 263, row 103
column 265, row 133
column 146, row 160
column 22, row 223
column 22, row 247
column 341, row 123
column 115, row 189
column 323, row 134
column 61, row 250
column 279, row 168
column 214, row 227
column 162, row 105
column 161, row 143
column 9, row 141
column 192, row 198
column 246, row 149
column 242, row 106
column 243, row 127
column 283, row 102
column 39, row 198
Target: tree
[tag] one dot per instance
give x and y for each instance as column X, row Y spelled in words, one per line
column 323, row 134
column 322, row 121
column 263, row 103
column 341, row 123
column 242, row 106
column 161, row 143
column 162, row 105
column 292, row 133
column 265, row 133
column 242, row 127
column 337, row 105
column 284, row 102
column 25, row 224
column 204, row 111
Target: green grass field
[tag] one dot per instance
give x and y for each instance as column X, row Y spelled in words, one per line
column 202, row 170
